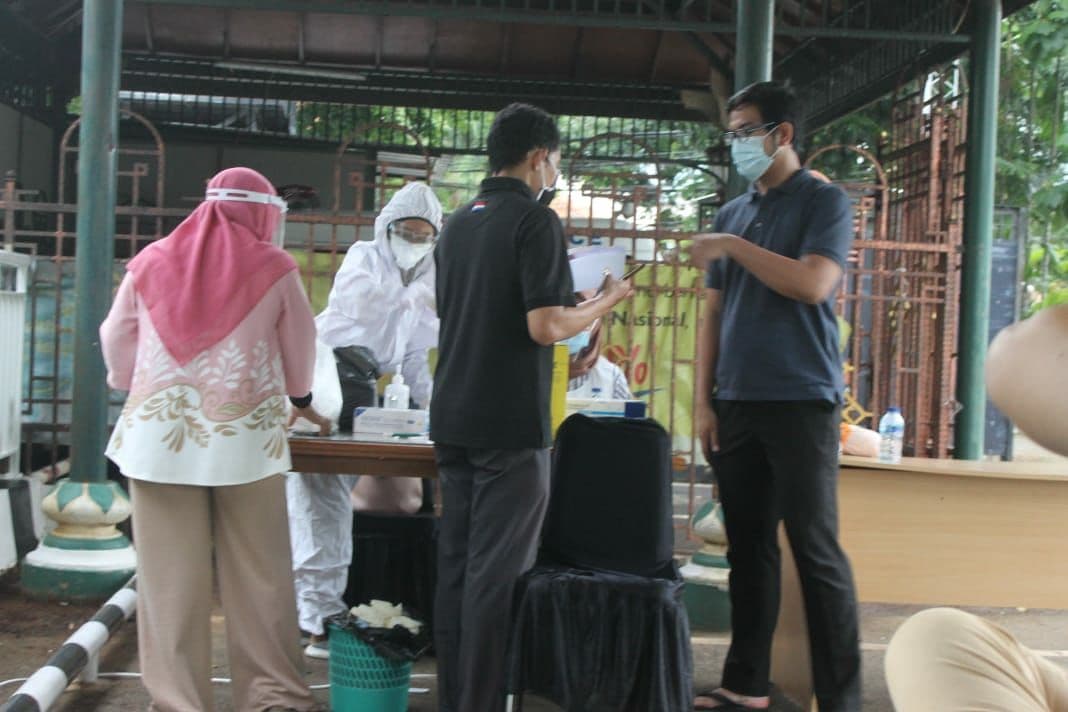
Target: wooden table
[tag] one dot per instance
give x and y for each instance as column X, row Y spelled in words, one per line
column 938, row 532
column 949, row 532
column 340, row 454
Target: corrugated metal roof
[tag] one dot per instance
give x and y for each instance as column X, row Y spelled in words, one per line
column 605, row 57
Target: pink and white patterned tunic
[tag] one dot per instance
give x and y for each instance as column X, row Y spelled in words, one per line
column 219, row 419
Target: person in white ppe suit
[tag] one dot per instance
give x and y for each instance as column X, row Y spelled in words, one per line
column 383, row 300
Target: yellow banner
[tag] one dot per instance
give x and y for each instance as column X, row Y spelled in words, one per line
column 653, row 338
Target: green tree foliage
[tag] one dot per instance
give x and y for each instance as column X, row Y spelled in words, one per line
column 1033, row 141
column 866, row 129
column 602, row 152
column 1032, row 162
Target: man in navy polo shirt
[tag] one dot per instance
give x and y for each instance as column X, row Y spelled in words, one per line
column 769, row 386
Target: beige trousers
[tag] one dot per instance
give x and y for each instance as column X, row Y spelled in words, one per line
column 945, row 660
column 177, row 529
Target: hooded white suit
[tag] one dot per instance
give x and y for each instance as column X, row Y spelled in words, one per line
column 369, row 306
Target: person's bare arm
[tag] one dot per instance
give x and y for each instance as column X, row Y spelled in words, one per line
column 1026, row 369
column 705, row 378
column 548, row 325
column 810, row 279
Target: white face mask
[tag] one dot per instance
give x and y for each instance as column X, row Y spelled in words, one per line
column 234, row 195
column 547, row 192
column 749, row 157
column 408, row 254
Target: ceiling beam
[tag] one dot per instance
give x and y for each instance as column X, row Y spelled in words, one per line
column 498, row 12
column 506, row 48
column 20, row 39
column 639, row 100
column 432, row 51
column 301, row 31
column 150, row 34
column 379, row 40
column 576, row 54
column 654, row 63
column 226, row 34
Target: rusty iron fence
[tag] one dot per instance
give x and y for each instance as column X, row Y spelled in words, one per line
column 899, row 297
column 652, row 336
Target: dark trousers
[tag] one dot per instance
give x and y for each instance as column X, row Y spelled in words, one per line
column 493, row 504
column 778, row 461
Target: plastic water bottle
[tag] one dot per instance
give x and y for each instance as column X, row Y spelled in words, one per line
column 891, row 435
column 397, row 394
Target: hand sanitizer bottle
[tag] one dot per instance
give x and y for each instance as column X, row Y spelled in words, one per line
column 397, row 394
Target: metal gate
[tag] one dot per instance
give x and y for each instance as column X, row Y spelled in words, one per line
column 46, row 230
column 900, row 297
column 652, row 336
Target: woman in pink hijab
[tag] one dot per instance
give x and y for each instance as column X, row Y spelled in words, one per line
column 209, row 331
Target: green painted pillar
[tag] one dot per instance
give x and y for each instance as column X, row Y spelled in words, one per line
column 978, row 228
column 86, row 557
column 98, row 142
column 755, row 23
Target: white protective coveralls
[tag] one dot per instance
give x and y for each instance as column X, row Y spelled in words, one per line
column 369, row 306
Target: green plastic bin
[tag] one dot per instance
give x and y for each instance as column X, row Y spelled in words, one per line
column 363, row 681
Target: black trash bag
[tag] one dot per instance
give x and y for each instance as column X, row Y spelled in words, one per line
column 358, row 373
column 397, row 643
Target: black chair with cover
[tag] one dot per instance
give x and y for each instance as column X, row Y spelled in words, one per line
column 598, row 623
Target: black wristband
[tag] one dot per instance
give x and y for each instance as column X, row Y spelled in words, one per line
column 302, row 402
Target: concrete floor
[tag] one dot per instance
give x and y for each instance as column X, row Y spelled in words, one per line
column 30, row 631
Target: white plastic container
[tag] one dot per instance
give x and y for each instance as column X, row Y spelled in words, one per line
column 14, row 287
column 389, row 423
column 397, row 394
column 891, row 435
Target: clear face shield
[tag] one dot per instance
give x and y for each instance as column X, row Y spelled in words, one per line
column 278, row 237
column 411, row 239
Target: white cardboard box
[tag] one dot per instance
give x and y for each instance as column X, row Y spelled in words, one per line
column 606, row 407
column 390, row 421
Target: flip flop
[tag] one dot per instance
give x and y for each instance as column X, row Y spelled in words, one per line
column 726, row 703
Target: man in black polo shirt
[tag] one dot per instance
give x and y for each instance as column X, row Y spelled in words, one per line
column 504, row 297
column 771, row 379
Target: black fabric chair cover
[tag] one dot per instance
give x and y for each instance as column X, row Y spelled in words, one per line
column 597, row 641
column 599, row 624
column 610, row 506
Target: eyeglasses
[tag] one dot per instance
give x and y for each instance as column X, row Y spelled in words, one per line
column 409, row 235
column 749, row 131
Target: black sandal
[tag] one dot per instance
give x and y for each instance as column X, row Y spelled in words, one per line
column 726, row 703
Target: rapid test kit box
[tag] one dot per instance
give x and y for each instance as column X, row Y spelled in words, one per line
column 606, row 407
column 390, row 422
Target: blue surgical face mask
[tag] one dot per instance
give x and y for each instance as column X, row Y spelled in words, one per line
column 577, row 342
column 749, row 157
